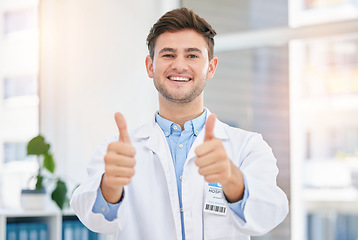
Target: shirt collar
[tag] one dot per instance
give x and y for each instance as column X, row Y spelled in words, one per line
column 195, row 125
column 150, row 130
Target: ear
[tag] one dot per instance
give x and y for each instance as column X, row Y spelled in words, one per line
column 212, row 67
column 149, row 66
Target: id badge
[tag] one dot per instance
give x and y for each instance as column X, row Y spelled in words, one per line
column 214, row 200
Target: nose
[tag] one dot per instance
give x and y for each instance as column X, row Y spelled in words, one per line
column 179, row 64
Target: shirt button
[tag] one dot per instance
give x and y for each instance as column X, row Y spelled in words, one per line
column 167, row 134
column 181, row 209
column 103, row 209
column 175, row 127
column 181, row 146
column 181, row 177
column 196, row 132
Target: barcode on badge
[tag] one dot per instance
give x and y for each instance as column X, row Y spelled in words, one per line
column 215, row 208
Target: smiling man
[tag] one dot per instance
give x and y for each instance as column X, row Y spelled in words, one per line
column 185, row 174
column 182, row 58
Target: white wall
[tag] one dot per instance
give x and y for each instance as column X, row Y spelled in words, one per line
column 92, row 65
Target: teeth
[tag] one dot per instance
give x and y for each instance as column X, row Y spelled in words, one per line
column 179, row 79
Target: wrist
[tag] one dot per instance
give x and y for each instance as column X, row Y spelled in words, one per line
column 110, row 194
column 234, row 186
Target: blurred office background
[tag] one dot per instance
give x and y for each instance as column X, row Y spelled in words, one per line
column 287, row 69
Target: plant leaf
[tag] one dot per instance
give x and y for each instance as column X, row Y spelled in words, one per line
column 37, row 146
column 59, row 194
column 49, row 163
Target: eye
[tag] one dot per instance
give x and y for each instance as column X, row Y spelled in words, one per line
column 168, row 55
column 192, row 56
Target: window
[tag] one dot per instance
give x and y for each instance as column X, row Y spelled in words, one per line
column 309, row 4
column 14, row 151
column 307, row 12
column 19, row 20
column 325, row 100
column 20, row 86
column 19, row 103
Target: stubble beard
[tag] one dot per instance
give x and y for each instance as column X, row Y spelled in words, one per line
column 187, row 98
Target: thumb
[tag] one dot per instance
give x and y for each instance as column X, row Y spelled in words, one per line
column 209, row 127
column 122, row 127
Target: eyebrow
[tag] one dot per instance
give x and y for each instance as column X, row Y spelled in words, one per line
column 193, row 50
column 168, row 49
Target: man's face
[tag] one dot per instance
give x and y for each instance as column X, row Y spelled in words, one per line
column 180, row 65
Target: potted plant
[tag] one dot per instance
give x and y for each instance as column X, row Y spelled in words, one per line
column 45, row 175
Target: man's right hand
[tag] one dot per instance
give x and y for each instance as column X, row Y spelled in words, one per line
column 119, row 163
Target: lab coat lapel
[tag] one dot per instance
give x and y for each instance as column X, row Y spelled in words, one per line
column 156, row 142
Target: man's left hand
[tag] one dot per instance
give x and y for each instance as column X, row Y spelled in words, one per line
column 215, row 165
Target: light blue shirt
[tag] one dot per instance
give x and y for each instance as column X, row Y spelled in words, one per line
column 179, row 143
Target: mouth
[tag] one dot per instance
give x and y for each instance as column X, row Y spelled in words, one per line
column 179, row 79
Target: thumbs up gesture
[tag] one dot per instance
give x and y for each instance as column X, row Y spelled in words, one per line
column 119, row 163
column 215, row 165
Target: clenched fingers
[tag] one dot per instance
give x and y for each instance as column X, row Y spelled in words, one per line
column 121, row 148
column 210, row 152
column 221, row 167
column 119, row 171
column 114, row 159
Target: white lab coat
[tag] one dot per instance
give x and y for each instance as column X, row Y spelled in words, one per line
column 150, row 207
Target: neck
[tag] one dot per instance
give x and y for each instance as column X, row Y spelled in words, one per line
column 180, row 113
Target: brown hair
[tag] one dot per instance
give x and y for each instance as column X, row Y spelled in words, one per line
column 179, row 19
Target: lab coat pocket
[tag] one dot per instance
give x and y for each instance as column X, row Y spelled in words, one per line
column 218, row 227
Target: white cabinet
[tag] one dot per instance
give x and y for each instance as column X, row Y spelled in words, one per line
column 51, row 216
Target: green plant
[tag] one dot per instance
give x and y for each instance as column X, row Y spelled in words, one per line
column 46, row 172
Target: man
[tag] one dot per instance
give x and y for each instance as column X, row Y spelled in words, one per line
column 185, row 174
